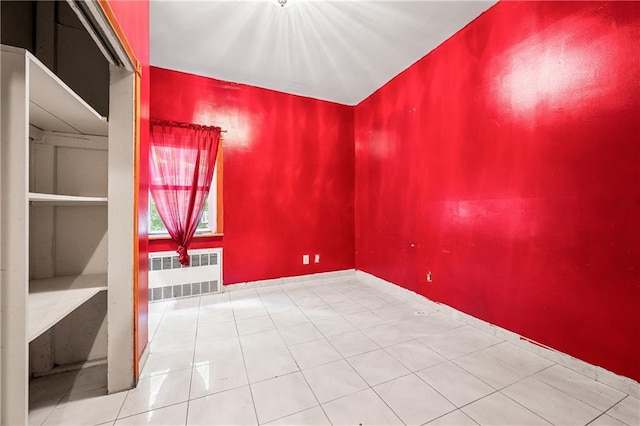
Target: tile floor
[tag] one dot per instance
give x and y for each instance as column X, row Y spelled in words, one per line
column 333, row 351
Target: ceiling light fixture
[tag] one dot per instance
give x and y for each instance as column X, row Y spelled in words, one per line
column 281, row 3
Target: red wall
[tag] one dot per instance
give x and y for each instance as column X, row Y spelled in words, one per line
column 507, row 163
column 288, row 174
column 133, row 17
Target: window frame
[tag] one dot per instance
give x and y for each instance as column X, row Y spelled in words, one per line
column 214, row 200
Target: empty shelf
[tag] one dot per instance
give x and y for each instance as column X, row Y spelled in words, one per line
column 65, row 200
column 52, row 299
column 53, row 105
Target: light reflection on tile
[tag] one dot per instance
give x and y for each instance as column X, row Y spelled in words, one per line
column 301, row 342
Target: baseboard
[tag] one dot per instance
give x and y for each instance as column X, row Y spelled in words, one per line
column 616, row 381
column 345, row 273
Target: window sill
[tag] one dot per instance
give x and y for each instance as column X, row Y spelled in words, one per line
column 200, row 235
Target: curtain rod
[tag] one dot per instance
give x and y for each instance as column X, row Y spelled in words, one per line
column 182, row 124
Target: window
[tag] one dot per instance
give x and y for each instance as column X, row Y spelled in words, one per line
column 210, row 221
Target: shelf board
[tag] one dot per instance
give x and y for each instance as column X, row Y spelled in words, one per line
column 53, row 106
column 65, row 200
column 52, row 299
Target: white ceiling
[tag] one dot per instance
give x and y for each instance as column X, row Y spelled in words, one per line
column 340, row 51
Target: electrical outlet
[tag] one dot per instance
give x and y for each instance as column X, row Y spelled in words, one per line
column 317, row 259
column 305, row 259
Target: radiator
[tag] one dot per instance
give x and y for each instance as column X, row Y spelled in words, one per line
column 168, row 279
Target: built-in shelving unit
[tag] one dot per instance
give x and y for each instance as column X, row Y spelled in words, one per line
column 65, row 242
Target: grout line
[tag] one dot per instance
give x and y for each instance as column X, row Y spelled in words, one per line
column 609, row 409
column 446, row 414
column 193, row 359
column 526, row 408
column 244, row 362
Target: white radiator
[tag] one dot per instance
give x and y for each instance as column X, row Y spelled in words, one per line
column 168, row 279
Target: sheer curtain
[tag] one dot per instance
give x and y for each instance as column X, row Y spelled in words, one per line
column 182, row 159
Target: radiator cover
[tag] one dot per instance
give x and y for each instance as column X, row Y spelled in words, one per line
column 168, row 279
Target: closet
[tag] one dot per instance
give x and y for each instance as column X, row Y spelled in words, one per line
column 67, row 229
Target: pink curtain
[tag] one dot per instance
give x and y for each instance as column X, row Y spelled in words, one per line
column 182, row 160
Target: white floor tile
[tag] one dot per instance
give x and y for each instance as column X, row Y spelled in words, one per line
column 206, row 352
column 319, row 311
column 174, row 415
column 308, row 300
column 213, row 377
column 490, row 369
column 361, row 408
column 549, row 403
column 334, row 326
column 289, row 318
column 455, row 384
column 266, row 356
column 232, row 407
column 365, row 319
column 88, row 408
column 606, row 420
column 170, row 342
column 178, row 323
column 377, row 367
column 334, row 380
column 386, row 335
column 168, row 362
column 216, row 332
column 300, row 333
column 414, row 355
column 497, row 409
column 214, row 315
column 312, row 354
column 348, row 307
column 353, row 343
column 279, row 307
column 459, row 341
column 210, row 300
column 157, row 392
column 427, row 325
column 581, row 387
column 333, row 297
column 412, row 400
column 374, row 302
column 526, row 362
column 254, row 325
column 185, row 305
column 281, row 397
column 243, row 311
column 311, row 417
column 627, row 411
column 455, row 418
column 394, row 314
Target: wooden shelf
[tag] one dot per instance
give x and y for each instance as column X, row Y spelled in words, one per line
column 65, row 200
column 52, row 299
column 53, row 106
